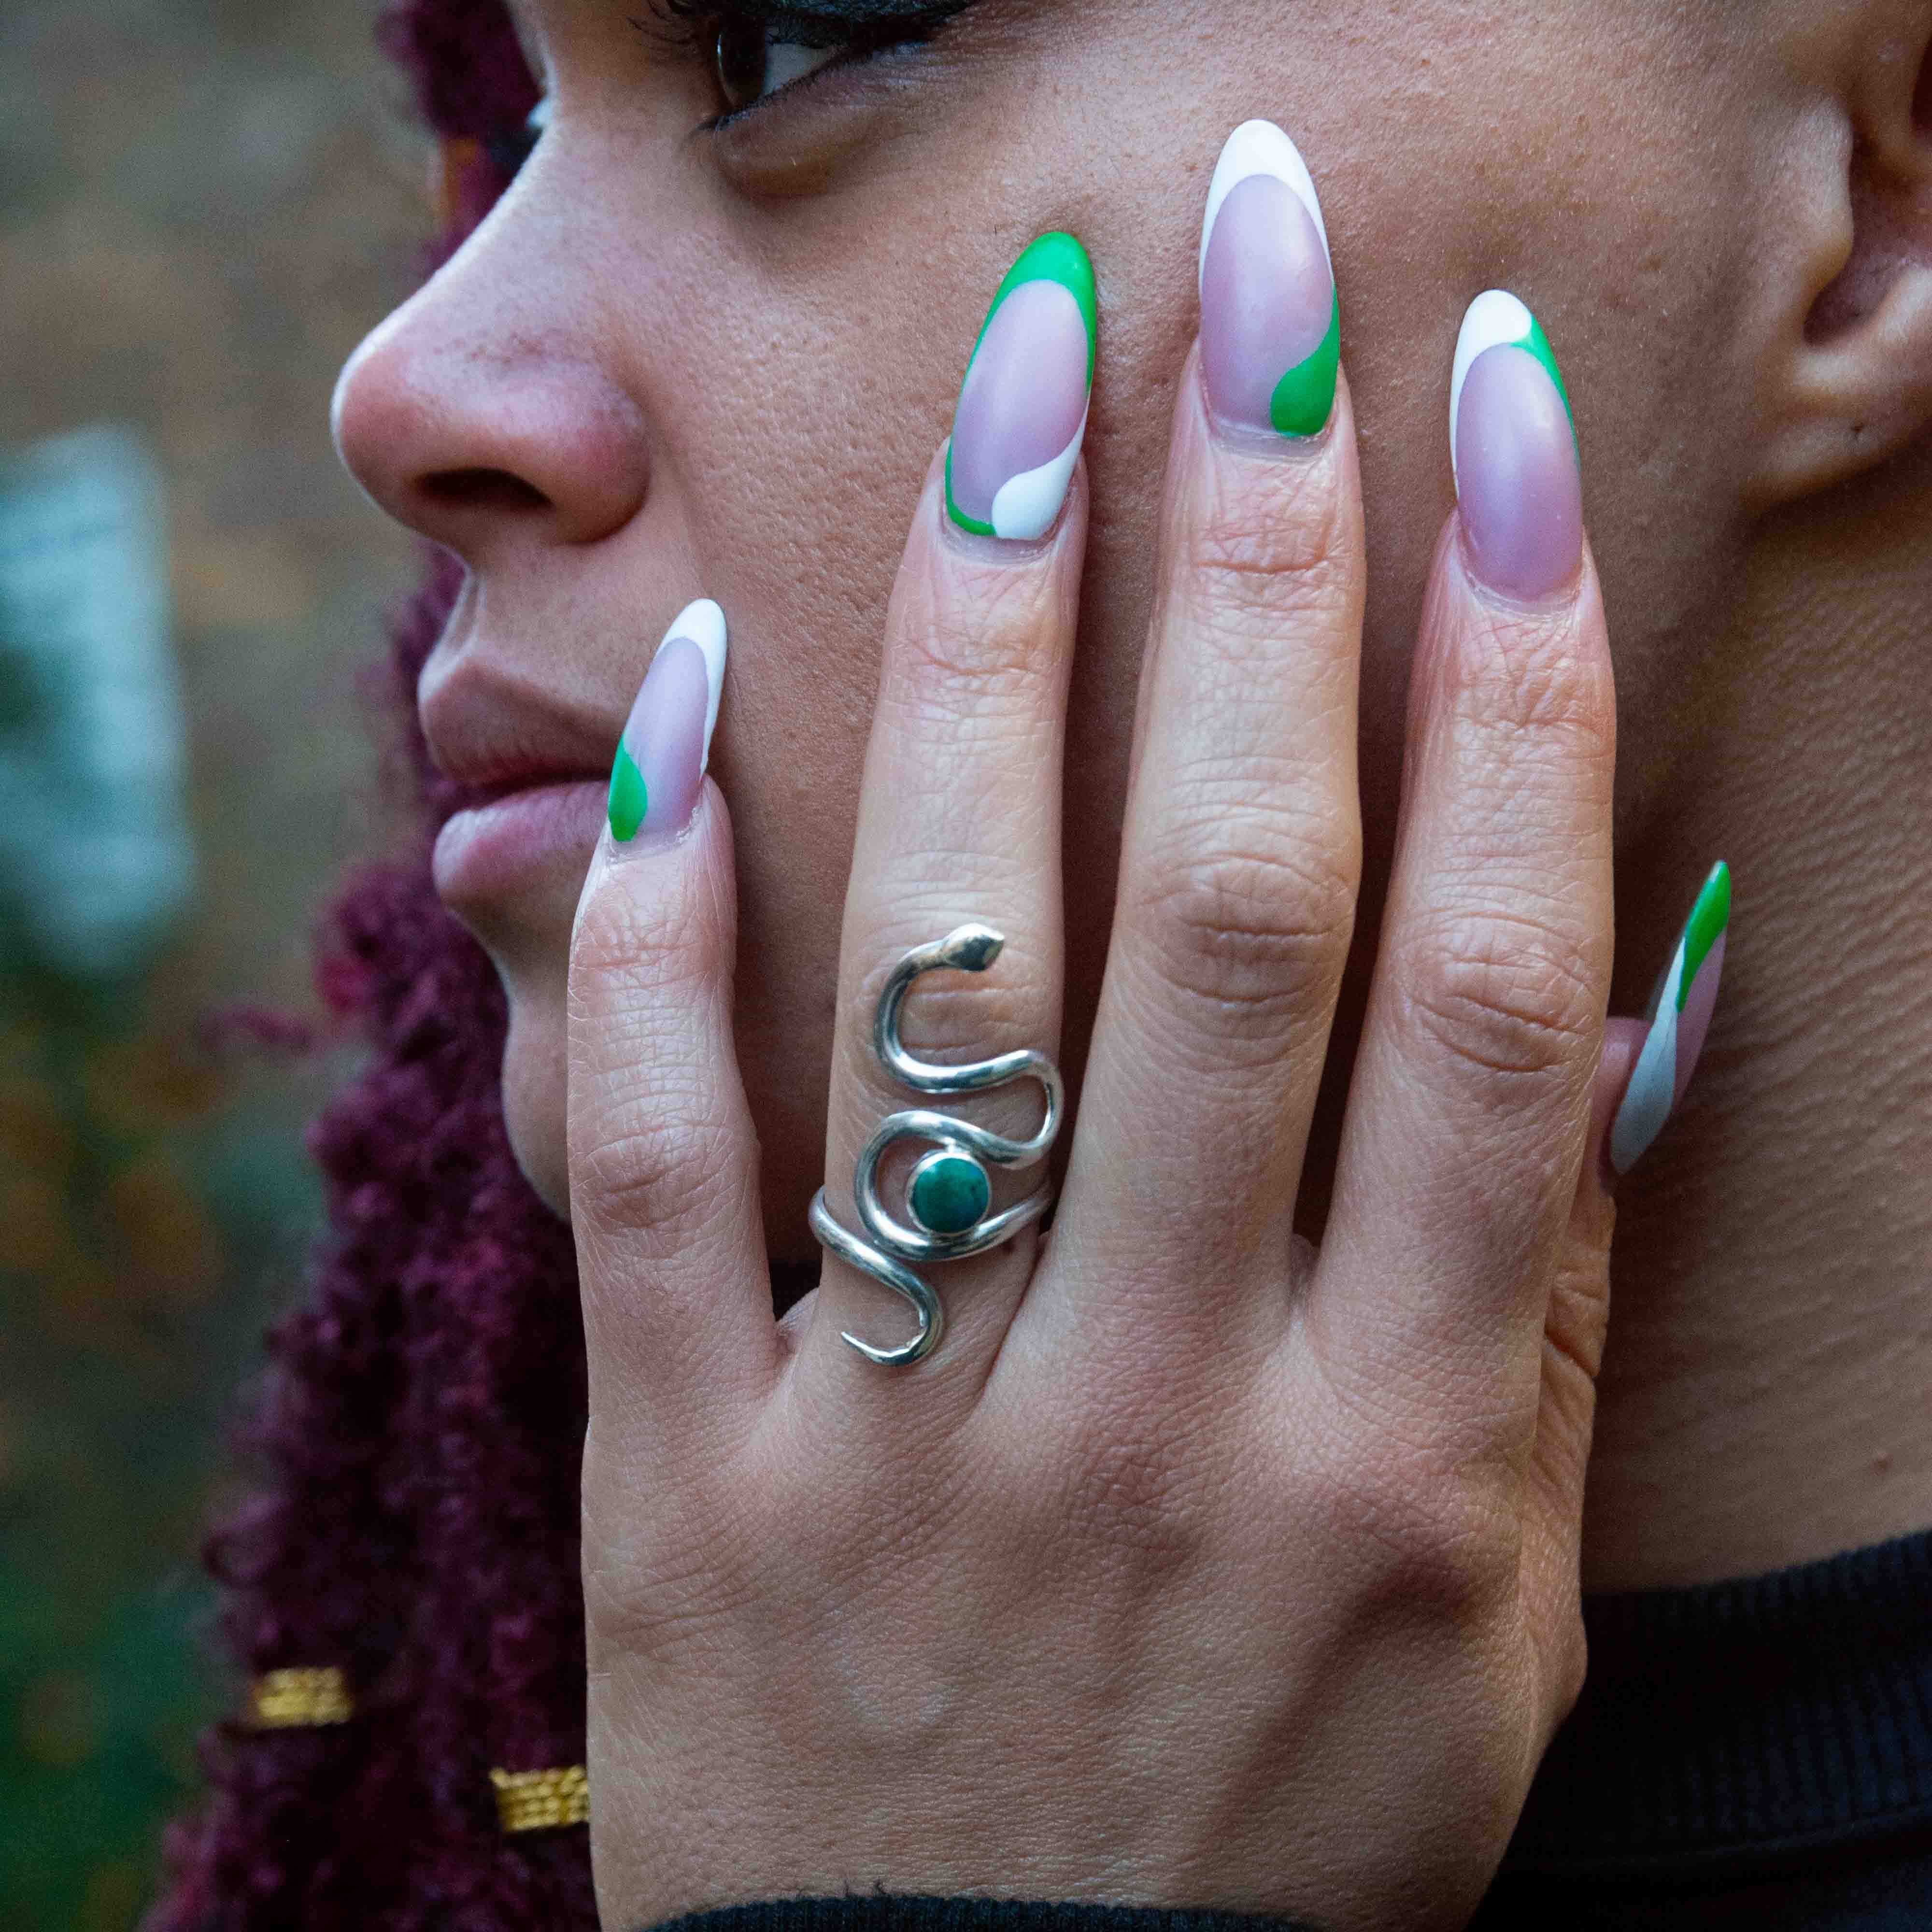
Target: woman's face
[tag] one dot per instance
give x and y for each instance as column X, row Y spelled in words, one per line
column 682, row 359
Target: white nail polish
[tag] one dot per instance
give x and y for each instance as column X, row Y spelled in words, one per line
column 1258, row 148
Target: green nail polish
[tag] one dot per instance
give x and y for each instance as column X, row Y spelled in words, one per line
column 1022, row 407
column 1304, row 398
column 630, row 797
column 1679, row 1020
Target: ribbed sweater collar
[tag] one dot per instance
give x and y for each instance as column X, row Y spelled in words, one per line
column 1742, row 1721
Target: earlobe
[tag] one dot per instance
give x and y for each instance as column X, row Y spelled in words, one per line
column 1847, row 375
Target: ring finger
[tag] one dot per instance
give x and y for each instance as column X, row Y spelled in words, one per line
column 958, row 827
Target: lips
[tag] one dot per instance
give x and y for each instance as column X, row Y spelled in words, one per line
column 531, row 846
column 527, row 767
column 491, row 732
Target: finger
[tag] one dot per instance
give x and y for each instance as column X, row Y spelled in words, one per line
column 1550, row 1578
column 1242, row 846
column 663, row 1158
column 959, row 814
column 1469, row 1109
column 1675, row 1029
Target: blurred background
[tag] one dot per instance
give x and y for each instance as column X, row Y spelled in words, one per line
column 204, row 204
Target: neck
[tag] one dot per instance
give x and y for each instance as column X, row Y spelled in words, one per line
column 1765, row 1400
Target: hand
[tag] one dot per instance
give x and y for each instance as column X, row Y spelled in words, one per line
column 1193, row 1566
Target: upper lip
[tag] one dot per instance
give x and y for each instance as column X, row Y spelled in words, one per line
column 492, row 731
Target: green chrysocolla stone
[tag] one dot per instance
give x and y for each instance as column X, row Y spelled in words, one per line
column 949, row 1194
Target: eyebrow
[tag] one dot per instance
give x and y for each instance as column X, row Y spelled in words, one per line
column 856, row 13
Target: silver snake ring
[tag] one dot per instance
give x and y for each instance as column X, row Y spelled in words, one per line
column 949, row 1192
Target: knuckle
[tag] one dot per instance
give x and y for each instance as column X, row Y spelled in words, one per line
column 1517, row 677
column 1577, row 1326
column 666, row 1174
column 627, row 956
column 1249, row 914
column 1511, row 996
column 1136, row 1477
column 1428, row 1544
column 1010, row 1005
column 1132, row 1502
column 981, row 647
column 1284, row 545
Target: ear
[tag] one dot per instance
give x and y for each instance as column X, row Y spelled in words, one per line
column 1848, row 368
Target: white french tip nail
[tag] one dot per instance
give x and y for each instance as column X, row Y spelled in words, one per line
column 1259, row 147
column 703, row 622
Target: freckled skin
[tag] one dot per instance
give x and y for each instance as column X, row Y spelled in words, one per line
column 725, row 360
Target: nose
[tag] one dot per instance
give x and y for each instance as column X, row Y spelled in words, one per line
column 479, row 413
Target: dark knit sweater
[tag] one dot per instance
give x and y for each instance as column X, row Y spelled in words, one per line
column 1751, row 1754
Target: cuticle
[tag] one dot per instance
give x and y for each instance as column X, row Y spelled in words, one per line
column 1507, row 600
column 1250, row 439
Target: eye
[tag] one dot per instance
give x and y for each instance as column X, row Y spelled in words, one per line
column 751, row 58
column 755, row 49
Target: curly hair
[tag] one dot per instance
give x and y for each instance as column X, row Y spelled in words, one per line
column 422, row 1425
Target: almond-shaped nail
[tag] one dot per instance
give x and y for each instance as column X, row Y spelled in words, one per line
column 1270, row 319
column 1513, row 446
column 659, row 769
column 1678, row 1019
column 1022, row 409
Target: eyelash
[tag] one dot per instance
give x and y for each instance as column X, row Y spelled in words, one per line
column 691, row 28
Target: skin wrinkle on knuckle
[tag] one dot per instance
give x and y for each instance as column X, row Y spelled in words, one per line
column 1516, row 677
column 979, row 1021
column 675, row 1176
column 990, row 703
column 1577, row 1325
column 988, row 640
column 1249, row 912
column 1261, row 527
column 925, row 888
column 968, row 768
column 624, row 955
column 1427, row 1543
column 1505, row 996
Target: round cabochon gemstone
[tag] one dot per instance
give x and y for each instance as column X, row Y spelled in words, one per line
column 949, row 1192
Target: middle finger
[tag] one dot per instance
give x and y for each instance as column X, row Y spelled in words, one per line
column 1241, row 852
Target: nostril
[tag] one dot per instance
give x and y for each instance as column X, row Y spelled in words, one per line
column 482, row 489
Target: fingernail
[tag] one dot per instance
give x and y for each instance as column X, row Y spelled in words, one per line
column 1270, row 319
column 1513, row 448
column 659, row 768
column 1022, row 408
column 1678, row 1019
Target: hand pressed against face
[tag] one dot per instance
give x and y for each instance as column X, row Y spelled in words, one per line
column 684, row 359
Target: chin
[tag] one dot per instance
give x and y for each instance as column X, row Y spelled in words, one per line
column 536, row 1092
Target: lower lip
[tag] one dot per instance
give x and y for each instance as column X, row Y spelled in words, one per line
column 519, row 841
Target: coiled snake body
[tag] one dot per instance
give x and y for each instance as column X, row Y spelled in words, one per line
column 951, row 1179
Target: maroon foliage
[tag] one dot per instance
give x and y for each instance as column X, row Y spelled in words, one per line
column 423, row 1425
